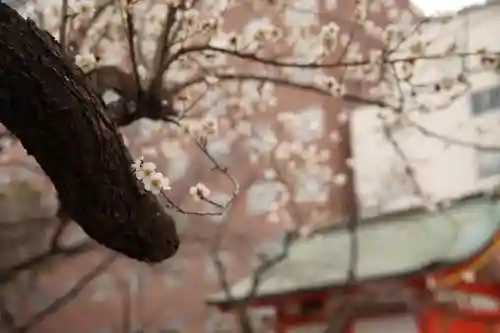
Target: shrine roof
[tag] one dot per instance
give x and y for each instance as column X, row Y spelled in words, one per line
column 391, row 245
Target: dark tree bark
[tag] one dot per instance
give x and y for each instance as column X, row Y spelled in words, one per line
column 45, row 101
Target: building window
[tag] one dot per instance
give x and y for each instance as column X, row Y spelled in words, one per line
column 485, row 100
column 485, row 109
column 488, row 163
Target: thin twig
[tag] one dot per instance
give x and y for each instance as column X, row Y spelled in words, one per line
column 128, row 22
column 8, row 274
column 64, row 25
column 70, row 295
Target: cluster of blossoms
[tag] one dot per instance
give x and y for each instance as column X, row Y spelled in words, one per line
column 84, row 9
column 208, row 127
column 205, row 25
column 199, row 192
column 155, row 182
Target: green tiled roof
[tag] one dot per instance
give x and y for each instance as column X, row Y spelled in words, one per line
column 390, row 245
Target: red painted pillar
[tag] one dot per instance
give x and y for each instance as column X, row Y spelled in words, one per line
column 280, row 326
column 350, row 328
column 429, row 322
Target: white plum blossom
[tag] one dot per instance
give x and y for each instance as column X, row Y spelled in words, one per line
column 330, row 30
column 137, row 164
column 143, row 72
column 190, row 18
column 186, row 128
column 330, row 35
column 266, row 34
column 230, row 41
column 146, row 170
column 335, row 137
column 153, row 181
column 308, row 51
column 244, row 128
column 270, row 174
column 29, row 11
column 156, row 183
column 260, row 32
column 209, row 126
column 86, row 61
column 211, row 80
column 330, row 84
column 210, row 25
column 199, row 192
column 85, row 9
column 273, row 217
column 342, row 117
column 296, row 147
column 283, row 151
column 216, row 7
column 360, row 12
column 340, row 179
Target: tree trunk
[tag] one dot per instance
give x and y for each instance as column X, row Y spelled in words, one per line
column 45, row 101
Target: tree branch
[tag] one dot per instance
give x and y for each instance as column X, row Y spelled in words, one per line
column 64, row 24
column 163, row 45
column 129, row 33
column 7, row 275
column 74, row 45
column 281, row 82
column 62, row 124
column 67, row 297
column 251, row 56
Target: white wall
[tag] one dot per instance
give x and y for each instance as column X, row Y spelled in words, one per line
column 390, row 324
column 393, row 324
column 443, row 171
